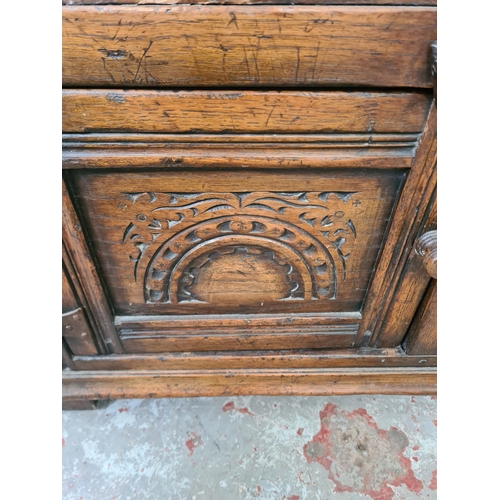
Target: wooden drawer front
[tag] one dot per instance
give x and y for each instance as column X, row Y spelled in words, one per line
column 231, row 45
column 233, row 112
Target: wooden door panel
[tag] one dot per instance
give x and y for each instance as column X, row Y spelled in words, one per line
column 175, row 243
column 266, row 235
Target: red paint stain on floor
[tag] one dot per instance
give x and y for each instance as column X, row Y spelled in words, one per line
column 63, row 442
column 300, row 431
column 415, row 459
column 193, row 442
column 433, row 484
column 415, row 448
column 293, row 497
column 348, row 440
column 435, row 422
column 121, row 410
column 230, row 407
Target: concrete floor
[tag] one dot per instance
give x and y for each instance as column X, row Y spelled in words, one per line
column 271, row 448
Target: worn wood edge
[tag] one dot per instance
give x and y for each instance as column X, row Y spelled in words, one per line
column 177, row 383
column 377, row 158
column 404, row 3
column 347, row 358
column 88, row 277
column 426, row 247
column 142, row 111
column 421, row 338
column 82, row 300
column 160, row 140
column 409, row 290
column 230, row 320
column 408, row 215
column 88, row 71
column 230, row 150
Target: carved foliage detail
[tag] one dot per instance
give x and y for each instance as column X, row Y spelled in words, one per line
column 304, row 233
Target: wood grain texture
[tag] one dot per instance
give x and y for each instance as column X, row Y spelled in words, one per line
column 280, row 46
column 252, row 2
column 229, row 151
column 238, row 112
column 410, row 288
column 409, row 215
column 159, row 384
column 224, row 360
column 162, row 233
column 67, row 358
column 422, row 335
column 88, row 277
column 69, row 301
column 426, row 247
column 77, row 333
column 337, row 337
column 81, row 301
column 237, row 332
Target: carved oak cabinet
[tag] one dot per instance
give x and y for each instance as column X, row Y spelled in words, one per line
column 249, row 198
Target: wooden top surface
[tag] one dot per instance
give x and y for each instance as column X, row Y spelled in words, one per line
column 252, row 2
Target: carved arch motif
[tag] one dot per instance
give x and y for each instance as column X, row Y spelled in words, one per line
column 304, row 233
column 303, row 250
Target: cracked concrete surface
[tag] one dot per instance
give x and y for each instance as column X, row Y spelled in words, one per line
column 271, row 448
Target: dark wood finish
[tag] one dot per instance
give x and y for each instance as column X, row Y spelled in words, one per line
column 252, row 2
column 78, row 333
column 76, row 329
column 410, row 213
column 88, row 276
column 67, row 359
column 434, row 66
column 232, row 224
column 74, row 297
column 243, row 112
column 410, row 289
column 347, row 358
column 147, row 228
column 237, row 332
column 422, row 335
column 426, row 247
column 69, row 301
column 202, row 46
column 169, row 152
column 178, row 383
column 189, row 243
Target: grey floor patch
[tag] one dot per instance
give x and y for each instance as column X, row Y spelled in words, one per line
column 271, row 448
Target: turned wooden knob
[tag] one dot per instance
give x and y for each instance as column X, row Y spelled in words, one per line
column 426, row 246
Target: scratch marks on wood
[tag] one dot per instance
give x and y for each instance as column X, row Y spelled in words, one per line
column 107, row 70
column 246, row 60
column 271, row 112
column 233, row 20
column 145, row 51
column 298, row 65
column 315, row 61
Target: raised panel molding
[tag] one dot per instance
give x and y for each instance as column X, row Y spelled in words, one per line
column 200, row 249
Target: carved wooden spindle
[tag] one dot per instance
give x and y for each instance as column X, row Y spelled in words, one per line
column 426, row 246
column 434, row 66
